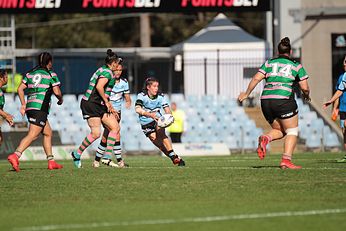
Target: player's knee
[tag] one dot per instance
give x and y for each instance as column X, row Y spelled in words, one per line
column 152, row 137
column 48, row 133
column 292, row 131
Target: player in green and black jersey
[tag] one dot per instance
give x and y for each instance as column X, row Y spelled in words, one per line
column 40, row 83
column 277, row 100
column 97, row 108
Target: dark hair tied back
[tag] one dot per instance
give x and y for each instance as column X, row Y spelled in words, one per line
column 2, row 73
column 285, row 41
column 284, row 46
column 111, row 57
column 43, row 59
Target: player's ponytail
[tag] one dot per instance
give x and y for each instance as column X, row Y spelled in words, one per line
column 43, row 59
column 3, row 72
column 284, row 46
column 112, row 57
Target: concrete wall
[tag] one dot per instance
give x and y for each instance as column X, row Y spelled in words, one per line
column 317, row 50
column 289, row 27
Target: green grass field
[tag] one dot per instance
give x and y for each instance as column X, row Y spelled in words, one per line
column 238, row 192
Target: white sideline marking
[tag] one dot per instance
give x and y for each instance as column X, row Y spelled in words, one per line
column 240, row 168
column 183, row 220
column 271, row 167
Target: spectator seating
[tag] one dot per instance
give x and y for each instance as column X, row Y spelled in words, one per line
column 209, row 119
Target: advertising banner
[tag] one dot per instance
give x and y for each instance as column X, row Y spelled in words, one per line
column 130, row 6
column 202, row 149
column 59, row 152
column 12, row 140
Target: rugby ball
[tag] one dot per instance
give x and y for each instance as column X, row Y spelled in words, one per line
column 165, row 120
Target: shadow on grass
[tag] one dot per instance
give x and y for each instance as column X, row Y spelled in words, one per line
column 28, row 169
column 330, row 161
column 266, row 166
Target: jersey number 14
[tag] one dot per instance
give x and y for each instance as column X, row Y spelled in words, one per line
column 285, row 70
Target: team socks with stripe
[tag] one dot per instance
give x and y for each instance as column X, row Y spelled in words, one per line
column 86, row 143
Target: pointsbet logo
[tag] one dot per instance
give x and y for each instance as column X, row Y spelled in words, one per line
column 31, row 4
column 213, row 3
column 121, row 3
column 128, row 6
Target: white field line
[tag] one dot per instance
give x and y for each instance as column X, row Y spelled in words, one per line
column 239, row 168
column 183, row 220
column 271, row 167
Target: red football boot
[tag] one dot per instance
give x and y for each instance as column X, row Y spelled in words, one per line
column 14, row 161
column 53, row 165
column 288, row 164
column 262, row 146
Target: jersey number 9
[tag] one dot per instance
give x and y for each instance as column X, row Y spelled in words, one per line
column 37, row 79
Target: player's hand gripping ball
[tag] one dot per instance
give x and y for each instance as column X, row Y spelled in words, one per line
column 165, row 120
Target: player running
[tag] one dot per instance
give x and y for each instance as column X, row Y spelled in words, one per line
column 339, row 99
column 277, row 100
column 120, row 92
column 148, row 105
column 8, row 117
column 40, row 83
column 97, row 109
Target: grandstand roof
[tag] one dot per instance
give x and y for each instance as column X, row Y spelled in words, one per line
column 219, row 31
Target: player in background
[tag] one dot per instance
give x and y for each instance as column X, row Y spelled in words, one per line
column 97, row 109
column 277, row 100
column 119, row 93
column 339, row 99
column 8, row 117
column 148, row 105
column 40, row 83
column 176, row 130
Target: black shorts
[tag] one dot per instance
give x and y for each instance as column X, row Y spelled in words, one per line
column 342, row 115
column 278, row 109
column 90, row 109
column 149, row 128
column 37, row 117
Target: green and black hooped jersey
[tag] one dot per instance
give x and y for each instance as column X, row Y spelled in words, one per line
column 2, row 99
column 91, row 93
column 40, row 83
column 280, row 75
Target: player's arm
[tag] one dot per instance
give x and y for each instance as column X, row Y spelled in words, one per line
column 139, row 110
column 165, row 105
column 127, row 100
column 335, row 111
column 56, row 87
column 8, row 117
column 167, row 110
column 58, row 94
column 21, row 96
column 258, row 77
column 304, row 86
column 336, row 95
column 336, row 104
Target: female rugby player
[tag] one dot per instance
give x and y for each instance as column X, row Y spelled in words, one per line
column 97, row 109
column 148, row 105
column 120, row 92
column 277, row 100
column 40, row 83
